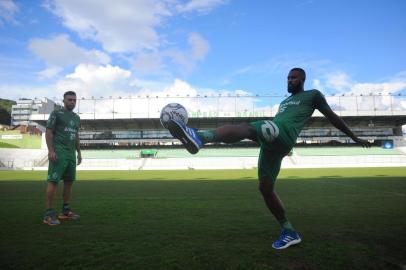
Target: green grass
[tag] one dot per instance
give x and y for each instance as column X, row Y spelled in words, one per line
column 348, row 219
column 7, row 145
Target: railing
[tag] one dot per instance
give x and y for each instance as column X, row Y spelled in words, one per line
column 215, row 106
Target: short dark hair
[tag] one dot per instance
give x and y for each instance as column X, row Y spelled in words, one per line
column 69, row 93
column 301, row 70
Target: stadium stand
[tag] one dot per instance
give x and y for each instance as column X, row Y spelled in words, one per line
column 115, row 131
column 22, row 158
column 217, row 158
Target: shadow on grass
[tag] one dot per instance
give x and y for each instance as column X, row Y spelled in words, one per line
column 346, row 223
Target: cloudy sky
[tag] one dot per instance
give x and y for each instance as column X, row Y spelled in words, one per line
column 190, row 47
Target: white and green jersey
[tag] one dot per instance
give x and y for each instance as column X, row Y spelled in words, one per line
column 296, row 110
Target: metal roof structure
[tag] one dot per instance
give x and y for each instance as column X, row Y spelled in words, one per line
column 142, row 112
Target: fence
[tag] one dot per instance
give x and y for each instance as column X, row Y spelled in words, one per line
column 227, row 106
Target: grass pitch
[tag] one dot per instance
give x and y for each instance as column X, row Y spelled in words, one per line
column 348, row 219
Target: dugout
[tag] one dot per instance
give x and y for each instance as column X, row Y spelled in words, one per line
column 148, row 153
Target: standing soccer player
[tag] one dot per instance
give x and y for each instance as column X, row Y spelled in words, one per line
column 276, row 139
column 63, row 141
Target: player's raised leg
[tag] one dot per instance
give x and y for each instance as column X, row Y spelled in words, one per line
column 186, row 135
column 229, row 134
column 193, row 140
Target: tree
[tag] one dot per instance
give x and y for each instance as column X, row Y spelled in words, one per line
column 5, row 111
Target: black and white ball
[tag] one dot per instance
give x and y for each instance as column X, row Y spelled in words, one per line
column 173, row 111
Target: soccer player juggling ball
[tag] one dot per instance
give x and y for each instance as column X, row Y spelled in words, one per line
column 276, row 139
column 63, row 141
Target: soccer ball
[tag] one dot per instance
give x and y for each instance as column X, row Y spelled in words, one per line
column 173, row 111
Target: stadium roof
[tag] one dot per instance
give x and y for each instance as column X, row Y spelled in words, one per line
column 208, row 112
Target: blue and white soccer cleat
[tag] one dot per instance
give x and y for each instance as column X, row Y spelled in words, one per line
column 188, row 136
column 287, row 239
column 68, row 214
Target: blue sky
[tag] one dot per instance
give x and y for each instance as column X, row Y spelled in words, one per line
column 171, row 47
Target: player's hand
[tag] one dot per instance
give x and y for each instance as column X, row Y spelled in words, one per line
column 52, row 156
column 79, row 159
column 363, row 143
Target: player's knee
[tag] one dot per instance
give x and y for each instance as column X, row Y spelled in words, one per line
column 251, row 132
column 266, row 186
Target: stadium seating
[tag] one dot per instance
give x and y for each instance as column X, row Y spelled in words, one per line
column 210, row 158
column 246, row 158
column 22, row 158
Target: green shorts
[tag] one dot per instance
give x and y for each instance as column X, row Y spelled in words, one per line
column 273, row 149
column 62, row 168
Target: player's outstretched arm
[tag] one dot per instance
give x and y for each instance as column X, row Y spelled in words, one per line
column 339, row 123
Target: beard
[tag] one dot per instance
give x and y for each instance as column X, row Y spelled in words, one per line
column 70, row 107
column 294, row 88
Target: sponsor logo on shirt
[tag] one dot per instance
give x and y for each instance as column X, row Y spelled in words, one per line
column 68, row 129
column 283, row 106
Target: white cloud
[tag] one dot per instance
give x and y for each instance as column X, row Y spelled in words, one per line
column 201, row 6
column 100, row 74
column 149, row 63
column 280, row 65
column 243, row 70
column 181, row 58
column 180, row 88
column 126, row 26
column 376, row 88
column 16, row 91
column 135, row 29
column 8, row 11
column 180, row 91
column 186, row 59
column 59, row 51
column 339, row 81
column 317, row 84
column 199, row 46
column 92, row 80
column 304, row 3
column 87, row 80
column 400, row 76
column 370, row 95
column 49, row 72
column 105, row 81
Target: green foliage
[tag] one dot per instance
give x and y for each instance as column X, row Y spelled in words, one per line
column 5, row 111
column 6, row 104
